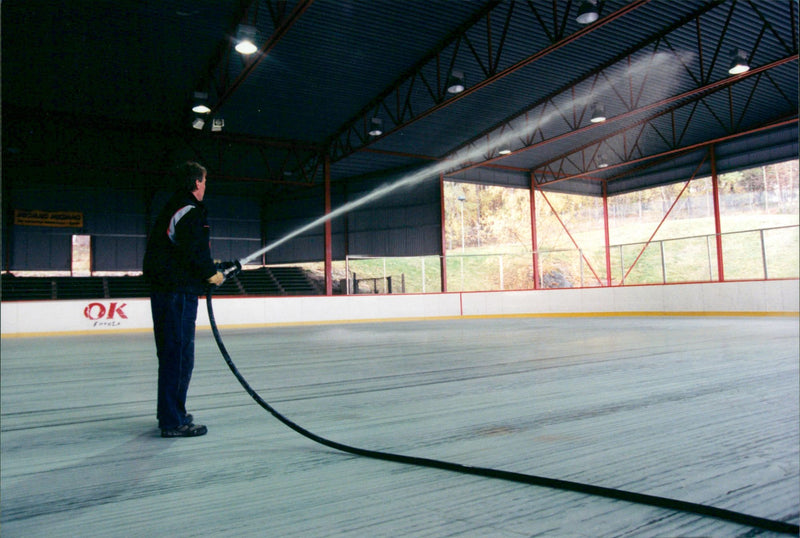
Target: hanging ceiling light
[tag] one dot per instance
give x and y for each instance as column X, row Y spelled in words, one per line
column 587, row 12
column 598, row 113
column 245, row 39
column 505, row 151
column 739, row 63
column 455, row 82
column 200, row 100
column 376, row 127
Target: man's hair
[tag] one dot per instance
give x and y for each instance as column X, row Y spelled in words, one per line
column 186, row 174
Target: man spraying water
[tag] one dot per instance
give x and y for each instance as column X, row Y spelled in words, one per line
column 178, row 268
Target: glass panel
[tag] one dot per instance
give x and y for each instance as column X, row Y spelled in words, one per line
column 81, row 255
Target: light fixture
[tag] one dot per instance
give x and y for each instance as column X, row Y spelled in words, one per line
column 200, row 106
column 587, row 12
column 245, row 39
column 601, row 162
column 375, row 128
column 198, row 123
column 505, row 151
column 455, row 82
column 217, row 124
column 598, row 113
column 739, row 63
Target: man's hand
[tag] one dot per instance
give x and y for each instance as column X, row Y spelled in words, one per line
column 217, row 279
column 230, row 268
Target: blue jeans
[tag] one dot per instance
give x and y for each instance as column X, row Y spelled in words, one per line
column 174, row 317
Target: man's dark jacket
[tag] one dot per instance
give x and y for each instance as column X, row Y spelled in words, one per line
column 178, row 255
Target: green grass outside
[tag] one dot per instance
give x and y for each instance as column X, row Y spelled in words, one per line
column 686, row 259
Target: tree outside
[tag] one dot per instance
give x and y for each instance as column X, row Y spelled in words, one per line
column 661, row 235
column 665, row 234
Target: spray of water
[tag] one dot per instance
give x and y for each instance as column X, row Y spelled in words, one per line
column 662, row 63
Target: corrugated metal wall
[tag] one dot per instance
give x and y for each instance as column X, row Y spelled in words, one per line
column 117, row 223
column 115, row 220
column 406, row 222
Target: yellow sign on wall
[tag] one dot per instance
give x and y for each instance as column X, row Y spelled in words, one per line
column 59, row 219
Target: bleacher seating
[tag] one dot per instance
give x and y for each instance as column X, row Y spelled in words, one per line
column 253, row 282
column 294, row 281
column 30, row 289
column 127, row 287
column 79, row 287
column 259, row 282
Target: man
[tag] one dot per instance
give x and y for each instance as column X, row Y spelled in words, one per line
column 178, row 267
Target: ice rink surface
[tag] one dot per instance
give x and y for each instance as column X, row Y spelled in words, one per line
column 701, row 409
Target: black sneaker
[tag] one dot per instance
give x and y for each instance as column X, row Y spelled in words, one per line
column 187, row 430
column 187, row 417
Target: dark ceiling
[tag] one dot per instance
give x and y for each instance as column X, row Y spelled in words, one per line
column 325, row 68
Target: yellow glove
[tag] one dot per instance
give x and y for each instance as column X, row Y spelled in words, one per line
column 217, row 279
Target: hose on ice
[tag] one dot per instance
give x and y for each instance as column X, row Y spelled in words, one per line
column 640, row 498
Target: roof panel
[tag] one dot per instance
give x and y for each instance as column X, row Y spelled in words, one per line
column 334, row 61
column 531, row 71
column 123, row 60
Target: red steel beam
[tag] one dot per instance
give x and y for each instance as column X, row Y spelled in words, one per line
column 555, row 213
column 626, row 55
column 663, row 220
column 400, row 154
column 717, row 223
column 262, row 141
column 513, row 68
column 708, row 88
column 328, row 240
column 443, row 257
column 534, row 238
column 380, row 100
column 607, row 233
column 534, row 57
column 274, row 39
column 685, row 149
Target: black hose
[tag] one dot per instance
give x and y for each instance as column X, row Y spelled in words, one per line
column 640, row 498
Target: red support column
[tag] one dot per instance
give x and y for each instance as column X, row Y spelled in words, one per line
column 608, row 238
column 443, row 257
column 328, row 249
column 717, row 223
column 534, row 240
column 571, row 238
column 663, row 220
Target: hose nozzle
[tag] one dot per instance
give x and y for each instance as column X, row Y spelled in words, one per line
column 230, row 268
